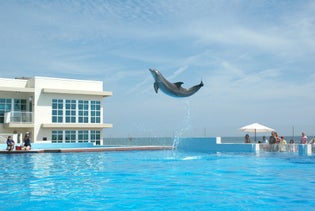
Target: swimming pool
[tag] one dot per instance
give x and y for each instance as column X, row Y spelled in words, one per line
column 156, row 180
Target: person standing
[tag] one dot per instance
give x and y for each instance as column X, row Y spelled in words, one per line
column 303, row 138
column 283, row 143
column 247, row 139
column 272, row 141
column 272, row 138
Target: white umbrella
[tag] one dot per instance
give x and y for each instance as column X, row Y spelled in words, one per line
column 256, row 128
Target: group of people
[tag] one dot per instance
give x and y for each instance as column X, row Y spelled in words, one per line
column 276, row 143
column 274, row 139
column 26, row 143
column 279, row 143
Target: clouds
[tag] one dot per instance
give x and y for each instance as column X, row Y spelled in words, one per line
column 250, row 55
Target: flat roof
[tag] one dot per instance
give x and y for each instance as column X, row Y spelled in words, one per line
column 17, row 89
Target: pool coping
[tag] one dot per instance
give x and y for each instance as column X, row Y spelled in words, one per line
column 89, row 149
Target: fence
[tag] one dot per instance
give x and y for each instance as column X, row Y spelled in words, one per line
column 18, row 117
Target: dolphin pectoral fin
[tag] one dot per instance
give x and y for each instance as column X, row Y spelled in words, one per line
column 156, row 87
column 178, row 84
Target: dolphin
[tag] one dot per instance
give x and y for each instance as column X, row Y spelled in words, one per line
column 172, row 89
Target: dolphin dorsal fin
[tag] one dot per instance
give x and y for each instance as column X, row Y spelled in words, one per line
column 156, row 87
column 178, row 84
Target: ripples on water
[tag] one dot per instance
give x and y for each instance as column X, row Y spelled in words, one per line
column 158, row 180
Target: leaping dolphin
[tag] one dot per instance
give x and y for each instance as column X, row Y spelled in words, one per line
column 172, row 89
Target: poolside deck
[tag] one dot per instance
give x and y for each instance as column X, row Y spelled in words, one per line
column 89, row 149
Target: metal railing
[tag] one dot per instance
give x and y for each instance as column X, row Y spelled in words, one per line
column 279, row 147
column 18, row 117
column 4, row 137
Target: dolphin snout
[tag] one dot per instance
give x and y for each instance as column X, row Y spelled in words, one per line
column 154, row 72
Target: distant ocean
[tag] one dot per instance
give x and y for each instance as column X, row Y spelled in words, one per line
column 168, row 141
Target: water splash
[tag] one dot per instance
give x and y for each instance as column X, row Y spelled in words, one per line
column 187, row 125
column 192, row 158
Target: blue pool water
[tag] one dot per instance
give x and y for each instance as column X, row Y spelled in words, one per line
column 156, row 180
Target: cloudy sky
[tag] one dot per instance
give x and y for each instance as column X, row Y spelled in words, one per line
column 256, row 59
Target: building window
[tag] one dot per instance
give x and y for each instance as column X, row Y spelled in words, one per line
column 71, row 106
column 5, row 106
column 76, row 111
column 95, row 111
column 83, row 111
column 83, row 136
column 71, row 136
column 57, row 110
column 19, row 105
column 57, row 136
column 95, row 135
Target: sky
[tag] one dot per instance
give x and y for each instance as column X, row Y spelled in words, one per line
column 255, row 58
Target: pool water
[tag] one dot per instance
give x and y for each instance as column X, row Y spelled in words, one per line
column 156, row 180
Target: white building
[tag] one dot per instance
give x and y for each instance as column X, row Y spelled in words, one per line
column 52, row 110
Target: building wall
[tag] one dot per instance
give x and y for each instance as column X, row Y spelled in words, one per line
column 212, row 145
column 17, row 83
column 42, row 102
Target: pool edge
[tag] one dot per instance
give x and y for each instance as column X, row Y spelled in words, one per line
column 90, row 149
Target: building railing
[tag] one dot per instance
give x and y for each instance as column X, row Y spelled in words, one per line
column 3, row 138
column 279, row 147
column 286, row 147
column 18, row 117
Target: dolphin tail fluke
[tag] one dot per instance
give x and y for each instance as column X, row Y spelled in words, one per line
column 156, row 87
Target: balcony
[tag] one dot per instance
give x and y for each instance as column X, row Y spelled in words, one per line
column 18, row 119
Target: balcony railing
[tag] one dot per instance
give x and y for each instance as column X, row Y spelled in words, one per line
column 18, row 117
